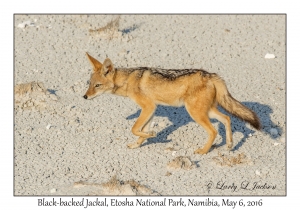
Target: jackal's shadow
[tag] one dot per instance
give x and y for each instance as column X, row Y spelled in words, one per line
column 178, row 116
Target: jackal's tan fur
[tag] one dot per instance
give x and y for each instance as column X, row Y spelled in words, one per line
column 199, row 91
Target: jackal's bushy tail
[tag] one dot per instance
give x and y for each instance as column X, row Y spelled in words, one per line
column 232, row 106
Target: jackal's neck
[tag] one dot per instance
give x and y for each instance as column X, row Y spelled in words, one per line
column 120, row 83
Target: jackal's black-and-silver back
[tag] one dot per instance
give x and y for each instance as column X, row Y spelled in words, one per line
column 169, row 74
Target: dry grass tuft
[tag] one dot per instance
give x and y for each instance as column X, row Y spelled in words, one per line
column 168, row 173
column 181, row 162
column 112, row 184
column 169, row 149
column 117, row 187
column 131, row 187
column 226, row 160
column 81, row 184
column 32, row 95
column 110, row 30
column 22, row 89
column 140, row 189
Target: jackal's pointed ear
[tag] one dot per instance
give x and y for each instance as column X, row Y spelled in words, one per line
column 95, row 63
column 108, row 67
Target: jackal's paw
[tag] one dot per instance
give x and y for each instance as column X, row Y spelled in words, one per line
column 200, row 151
column 133, row 145
column 229, row 146
column 152, row 134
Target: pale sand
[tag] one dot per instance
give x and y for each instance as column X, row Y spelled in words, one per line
column 62, row 139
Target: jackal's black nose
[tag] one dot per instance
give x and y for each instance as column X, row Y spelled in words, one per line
column 85, row 96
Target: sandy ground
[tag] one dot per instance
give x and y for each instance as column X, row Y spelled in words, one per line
column 65, row 145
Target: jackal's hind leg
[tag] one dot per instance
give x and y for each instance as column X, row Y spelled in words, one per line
column 214, row 113
column 200, row 115
column 205, row 122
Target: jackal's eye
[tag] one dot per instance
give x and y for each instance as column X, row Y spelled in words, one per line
column 98, row 85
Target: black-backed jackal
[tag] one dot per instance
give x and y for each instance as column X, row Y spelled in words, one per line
column 199, row 91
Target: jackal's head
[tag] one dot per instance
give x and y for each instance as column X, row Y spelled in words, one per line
column 101, row 79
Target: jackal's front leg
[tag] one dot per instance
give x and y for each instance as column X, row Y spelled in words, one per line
column 142, row 127
column 136, row 144
column 140, row 141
